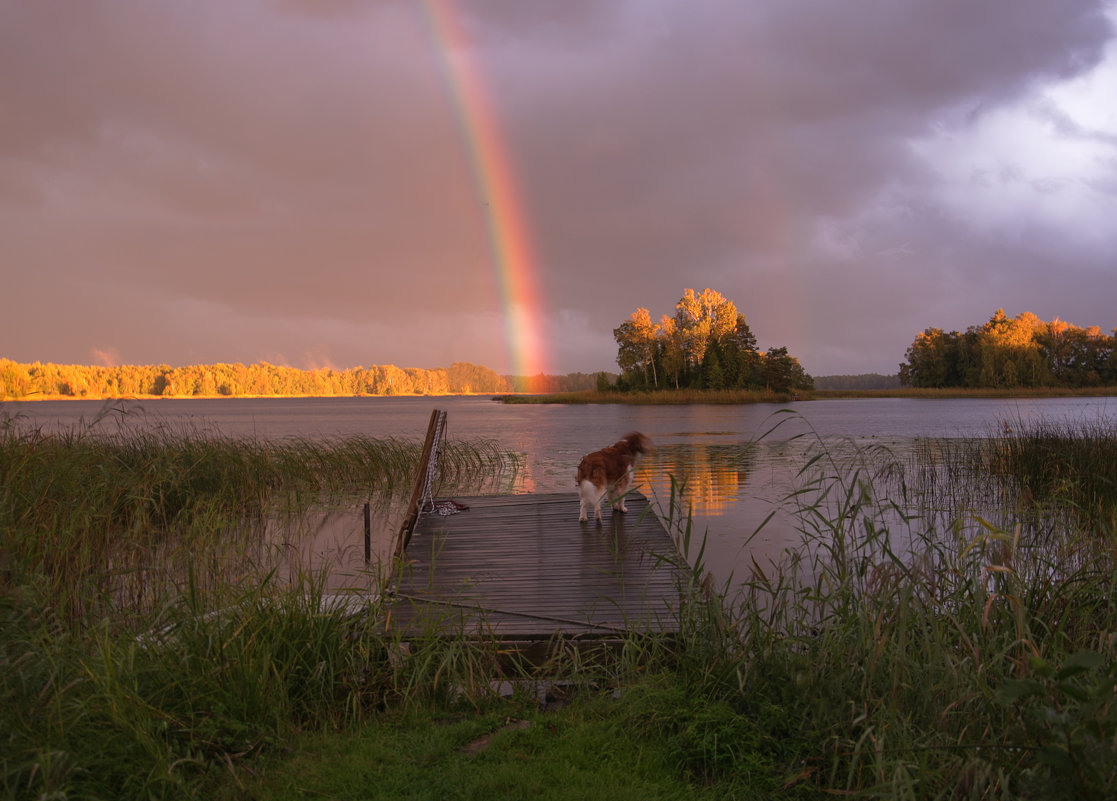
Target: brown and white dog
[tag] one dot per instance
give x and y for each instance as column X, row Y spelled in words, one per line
column 608, row 472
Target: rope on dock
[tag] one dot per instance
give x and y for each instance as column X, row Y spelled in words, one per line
column 439, row 421
column 424, row 478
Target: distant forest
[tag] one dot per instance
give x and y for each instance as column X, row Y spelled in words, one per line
column 1021, row 351
column 29, row 381
column 857, row 382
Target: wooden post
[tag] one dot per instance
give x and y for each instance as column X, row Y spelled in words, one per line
column 368, row 534
column 420, row 481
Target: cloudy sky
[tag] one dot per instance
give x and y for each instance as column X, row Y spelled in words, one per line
column 355, row 182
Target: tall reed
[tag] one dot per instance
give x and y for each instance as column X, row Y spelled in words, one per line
column 891, row 656
column 1059, row 465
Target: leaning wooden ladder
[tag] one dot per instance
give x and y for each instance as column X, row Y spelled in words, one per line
column 421, row 498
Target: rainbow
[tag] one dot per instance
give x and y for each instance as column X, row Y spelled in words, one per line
column 508, row 233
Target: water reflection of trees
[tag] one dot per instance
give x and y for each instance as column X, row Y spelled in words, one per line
column 711, row 476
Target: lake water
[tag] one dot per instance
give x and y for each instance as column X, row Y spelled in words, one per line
column 737, row 461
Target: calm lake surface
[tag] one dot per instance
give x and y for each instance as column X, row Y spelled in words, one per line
column 737, row 461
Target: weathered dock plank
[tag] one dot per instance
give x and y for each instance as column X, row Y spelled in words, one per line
column 523, row 567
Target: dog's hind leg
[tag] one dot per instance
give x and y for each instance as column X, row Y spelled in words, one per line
column 589, row 495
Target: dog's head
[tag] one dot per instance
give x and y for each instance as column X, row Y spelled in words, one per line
column 635, row 443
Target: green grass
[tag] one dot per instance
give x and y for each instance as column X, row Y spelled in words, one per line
column 947, row 655
column 600, row 747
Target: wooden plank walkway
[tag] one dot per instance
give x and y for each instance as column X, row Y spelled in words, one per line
column 521, row 567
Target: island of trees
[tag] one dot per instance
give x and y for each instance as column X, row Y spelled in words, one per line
column 706, row 345
column 1011, row 352
column 30, row 381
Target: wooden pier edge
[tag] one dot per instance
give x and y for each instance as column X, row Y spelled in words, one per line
column 521, row 568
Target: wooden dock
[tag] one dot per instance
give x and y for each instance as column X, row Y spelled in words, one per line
column 522, row 568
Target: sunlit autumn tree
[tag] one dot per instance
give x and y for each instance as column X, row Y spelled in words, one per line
column 1079, row 357
column 14, row 380
column 701, row 319
column 637, row 337
column 1008, row 353
column 466, row 377
column 669, row 350
column 934, row 359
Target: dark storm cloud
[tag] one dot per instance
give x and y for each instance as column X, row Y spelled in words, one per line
column 288, row 179
column 725, row 141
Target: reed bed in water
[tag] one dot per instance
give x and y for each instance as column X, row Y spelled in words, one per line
column 888, row 656
column 1072, row 466
column 80, row 512
column 884, row 657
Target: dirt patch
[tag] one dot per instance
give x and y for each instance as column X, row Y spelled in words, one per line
column 482, row 742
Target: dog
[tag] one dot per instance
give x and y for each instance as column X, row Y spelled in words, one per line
column 608, row 472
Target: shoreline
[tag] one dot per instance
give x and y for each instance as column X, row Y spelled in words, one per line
column 698, row 397
column 112, row 398
column 680, row 397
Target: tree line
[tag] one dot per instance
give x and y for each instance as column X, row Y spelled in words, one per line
column 706, row 344
column 1021, row 351
column 267, row 380
column 861, row 381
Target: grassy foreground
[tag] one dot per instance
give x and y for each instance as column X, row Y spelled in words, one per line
column 889, row 656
